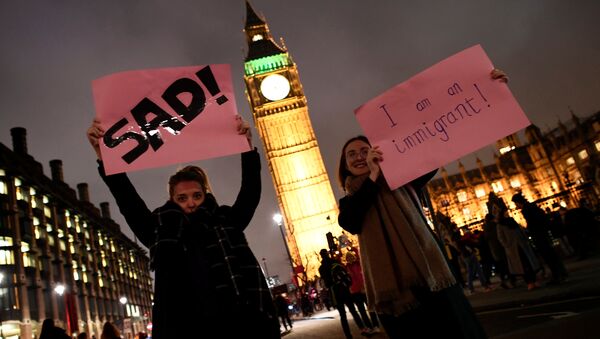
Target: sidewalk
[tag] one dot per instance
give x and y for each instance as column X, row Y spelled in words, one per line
column 583, row 281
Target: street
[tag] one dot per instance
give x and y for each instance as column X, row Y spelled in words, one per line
column 573, row 319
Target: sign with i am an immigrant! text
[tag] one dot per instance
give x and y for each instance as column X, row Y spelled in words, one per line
column 443, row 113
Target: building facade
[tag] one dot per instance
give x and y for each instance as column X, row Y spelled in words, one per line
column 60, row 257
column 556, row 168
column 282, row 119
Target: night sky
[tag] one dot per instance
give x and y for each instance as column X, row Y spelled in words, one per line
column 347, row 52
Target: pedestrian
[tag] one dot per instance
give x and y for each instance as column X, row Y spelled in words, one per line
column 50, row 331
column 338, row 282
column 205, row 272
column 522, row 260
column 283, row 311
column 467, row 250
column 490, row 236
column 538, row 228
column 110, row 331
column 407, row 278
column 357, row 290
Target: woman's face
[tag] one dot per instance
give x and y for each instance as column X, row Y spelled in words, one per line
column 188, row 195
column 356, row 157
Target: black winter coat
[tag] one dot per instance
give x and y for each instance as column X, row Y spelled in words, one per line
column 204, row 269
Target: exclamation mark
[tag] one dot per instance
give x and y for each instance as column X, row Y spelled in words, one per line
column 208, row 79
column 478, row 90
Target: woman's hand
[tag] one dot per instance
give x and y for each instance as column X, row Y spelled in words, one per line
column 94, row 133
column 243, row 128
column 374, row 157
column 500, row 75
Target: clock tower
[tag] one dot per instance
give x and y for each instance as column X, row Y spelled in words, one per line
column 281, row 117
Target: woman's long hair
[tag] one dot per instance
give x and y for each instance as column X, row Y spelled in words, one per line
column 343, row 171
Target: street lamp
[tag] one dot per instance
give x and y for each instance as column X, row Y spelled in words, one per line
column 123, row 301
column 59, row 289
column 278, row 218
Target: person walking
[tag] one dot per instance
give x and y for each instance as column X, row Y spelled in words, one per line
column 537, row 227
column 357, row 290
column 338, row 281
column 205, row 272
column 522, row 260
column 490, row 235
column 283, row 311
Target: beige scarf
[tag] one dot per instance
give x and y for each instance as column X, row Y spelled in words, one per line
column 397, row 250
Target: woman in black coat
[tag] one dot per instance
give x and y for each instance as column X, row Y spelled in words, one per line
column 207, row 281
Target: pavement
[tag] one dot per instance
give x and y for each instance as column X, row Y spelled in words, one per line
column 583, row 281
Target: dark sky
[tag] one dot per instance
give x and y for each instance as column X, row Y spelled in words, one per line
column 347, row 52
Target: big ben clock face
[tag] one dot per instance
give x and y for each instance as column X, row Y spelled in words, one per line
column 275, row 87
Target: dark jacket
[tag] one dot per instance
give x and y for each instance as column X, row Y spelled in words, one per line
column 205, row 270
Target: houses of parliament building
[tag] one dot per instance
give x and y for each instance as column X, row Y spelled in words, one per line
column 556, row 168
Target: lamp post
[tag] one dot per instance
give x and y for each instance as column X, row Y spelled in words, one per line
column 278, row 218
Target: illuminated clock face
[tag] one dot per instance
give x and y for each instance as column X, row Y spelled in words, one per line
column 275, row 87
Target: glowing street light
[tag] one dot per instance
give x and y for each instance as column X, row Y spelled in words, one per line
column 59, row 289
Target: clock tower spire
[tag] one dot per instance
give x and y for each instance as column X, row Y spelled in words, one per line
column 281, row 117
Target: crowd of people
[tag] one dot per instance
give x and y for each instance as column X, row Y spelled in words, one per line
column 512, row 252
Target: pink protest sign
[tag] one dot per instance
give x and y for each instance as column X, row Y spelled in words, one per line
column 451, row 109
column 158, row 117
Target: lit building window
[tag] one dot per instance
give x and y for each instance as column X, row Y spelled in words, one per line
column 467, row 213
column 100, row 282
column 36, row 221
column 514, row 183
column 597, row 143
column 583, row 154
column 497, row 187
column 45, row 199
column 48, row 228
column 61, row 234
column 506, row 149
column 75, row 275
column 50, row 240
column 32, row 191
column 2, row 172
column 47, row 212
column 3, row 188
column 72, row 248
column 18, row 182
column 570, row 161
column 112, row 247
column 462, row 196
column 480, row 192
column 28, row 259
column 100, row 241
column 38, row 233
column 63, row 245
column 6, row 253
column 554, row 185
column 87, row 234
column 20, row 193
column 484, row 208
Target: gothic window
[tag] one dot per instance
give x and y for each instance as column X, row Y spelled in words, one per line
column 497, row 187
column 583, row 154
column 570, row 161
column 515, row 183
